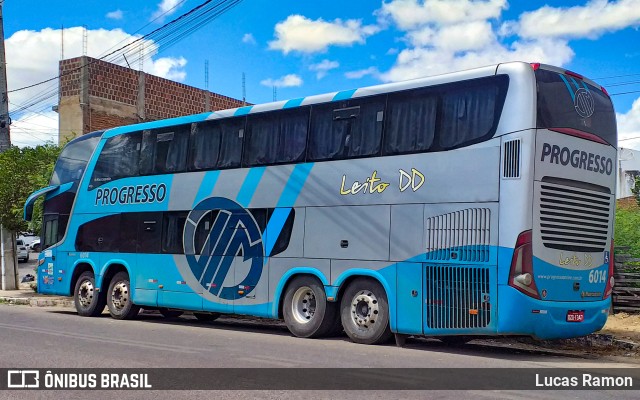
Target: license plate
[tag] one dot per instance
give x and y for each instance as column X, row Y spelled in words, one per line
column 575, row 316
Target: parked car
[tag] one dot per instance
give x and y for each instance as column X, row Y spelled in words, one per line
column 28, row 238
column 23, row 252
column 35, row 245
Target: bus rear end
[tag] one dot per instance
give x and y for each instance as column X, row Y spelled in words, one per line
column 561, row 273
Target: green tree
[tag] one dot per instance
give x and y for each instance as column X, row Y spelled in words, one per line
column 22, row 171
column 636, row 189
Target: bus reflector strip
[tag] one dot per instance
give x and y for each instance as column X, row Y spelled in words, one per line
column 579, row 134
column 153, row 281
column 538, row 311
column 181, row 282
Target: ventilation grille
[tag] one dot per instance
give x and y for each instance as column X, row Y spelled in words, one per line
column 457, row 297
column 574, row 219
column 461, row 235
column 511, row 162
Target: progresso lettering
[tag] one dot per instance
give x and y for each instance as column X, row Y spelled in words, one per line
column 577, row 159
column 137, row 194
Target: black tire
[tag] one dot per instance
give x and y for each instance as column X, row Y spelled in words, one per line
column 364, row 311
column 119, row 298
column 306, row 310
column 88, row 301
column 167, row 313
column 206, row 317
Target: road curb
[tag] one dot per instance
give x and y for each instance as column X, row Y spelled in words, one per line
column 38, row 301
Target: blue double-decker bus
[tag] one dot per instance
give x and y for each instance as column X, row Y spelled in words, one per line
column 474, row 203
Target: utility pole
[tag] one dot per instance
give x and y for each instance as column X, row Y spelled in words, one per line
column 8, row 260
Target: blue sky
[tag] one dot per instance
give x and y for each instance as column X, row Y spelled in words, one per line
column 310, row 47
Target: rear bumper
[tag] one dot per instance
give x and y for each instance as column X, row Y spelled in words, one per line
column 522, row 315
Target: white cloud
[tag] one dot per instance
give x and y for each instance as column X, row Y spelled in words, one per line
column 298, row 33
column 459, row 37
column 248, row 38
column 629, row 126
column 117, row 14
column 592, row 20
column 166, row 8
column 411, row 14
column 362, row 73
column 33, row 56
column 285, row 81
column 35, row 129
column 170, row 68
column 452, row 35
column 323, row 68
column 424, row 61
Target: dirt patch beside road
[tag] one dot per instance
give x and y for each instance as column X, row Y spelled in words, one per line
column 623, row 325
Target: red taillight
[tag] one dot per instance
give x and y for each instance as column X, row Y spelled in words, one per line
column 535, row 66
column 605, row 91
column 610, row 280
column 521, row 273
column 571, row 73
column 579, row 134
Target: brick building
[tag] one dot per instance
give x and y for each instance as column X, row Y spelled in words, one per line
column 96, row 95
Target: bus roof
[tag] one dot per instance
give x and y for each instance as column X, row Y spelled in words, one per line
column 315, row 99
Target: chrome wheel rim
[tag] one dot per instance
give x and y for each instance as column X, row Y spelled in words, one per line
column 85, row 293
column 120, row 295
column 303, row 305
column 365, row 309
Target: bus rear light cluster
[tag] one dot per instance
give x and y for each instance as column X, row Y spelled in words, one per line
column 611, row 281
column 521, row 273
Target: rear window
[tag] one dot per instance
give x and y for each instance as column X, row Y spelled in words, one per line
column 568, row 102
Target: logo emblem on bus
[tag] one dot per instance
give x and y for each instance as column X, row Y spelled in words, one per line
column 217, row 232
column 583, row 102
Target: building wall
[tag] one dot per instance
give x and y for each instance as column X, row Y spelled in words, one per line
column 97, row 95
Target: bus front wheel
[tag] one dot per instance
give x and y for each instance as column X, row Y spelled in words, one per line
column 119, row 298
column 306, row 310
column 364, row 310
column 88, row 301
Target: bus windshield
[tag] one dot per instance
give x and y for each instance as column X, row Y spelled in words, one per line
column 73, row 159
column 568, row 102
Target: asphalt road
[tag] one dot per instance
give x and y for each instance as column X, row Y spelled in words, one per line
column 58, row 338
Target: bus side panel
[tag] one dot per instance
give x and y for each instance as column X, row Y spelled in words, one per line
column 409, row 292
column 350, row 232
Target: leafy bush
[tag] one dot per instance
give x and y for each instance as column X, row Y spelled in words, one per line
column 627, row 232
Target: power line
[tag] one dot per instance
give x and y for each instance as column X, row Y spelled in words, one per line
column 199, row 11
column 158, row 40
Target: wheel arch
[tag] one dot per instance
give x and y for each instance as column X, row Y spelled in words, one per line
column 287, row 278
column 79, row 267
column 346, row 278
column 108, row 272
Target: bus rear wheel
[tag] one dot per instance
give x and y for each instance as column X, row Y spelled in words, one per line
column 364, row 310
column 119, row 298
column 88, row 301
column 307, row 313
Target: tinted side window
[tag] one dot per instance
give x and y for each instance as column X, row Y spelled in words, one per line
column 348, row 129
column 470, row 111
column 217, row 144
column 164, row 150
column 276, row 137
column 102, row 234
column 119, row 159
column 172, row 229
column 411, row 121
